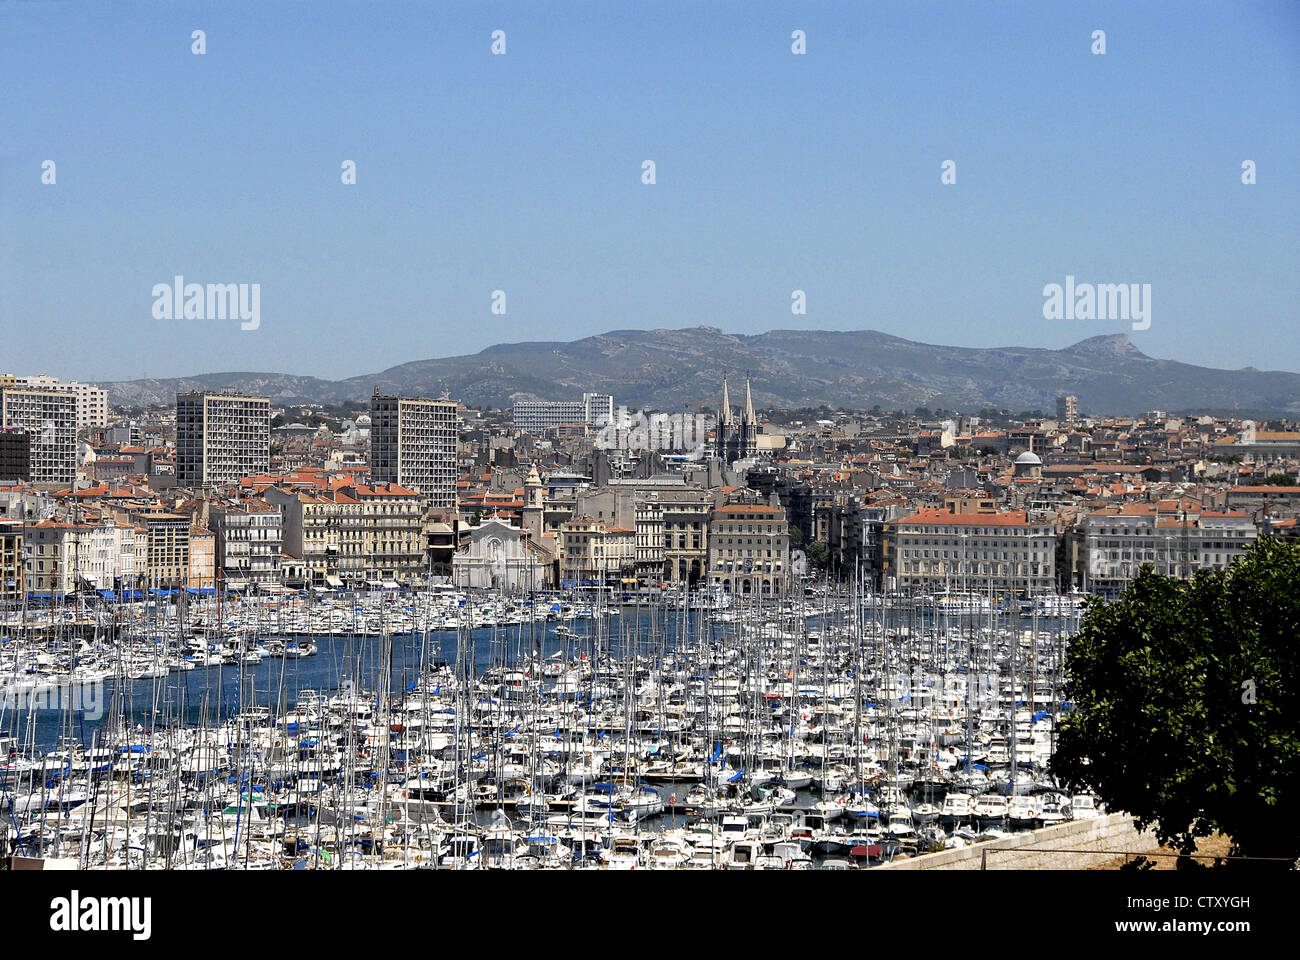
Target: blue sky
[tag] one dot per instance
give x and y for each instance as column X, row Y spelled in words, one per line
column 522, row 173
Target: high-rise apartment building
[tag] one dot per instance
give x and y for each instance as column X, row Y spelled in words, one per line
column 594, row 410
column 538, row 416
column 598, row 409
column 92, row 401
column 49, row 418
column 221, row 437
column 1067, row 408
column 413, row 444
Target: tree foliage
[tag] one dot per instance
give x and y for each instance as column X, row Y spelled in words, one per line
column 1184, row 704
column 819, row 555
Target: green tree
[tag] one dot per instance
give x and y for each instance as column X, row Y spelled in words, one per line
column 819, row 555
column 1279, row 480
column 1183, row 696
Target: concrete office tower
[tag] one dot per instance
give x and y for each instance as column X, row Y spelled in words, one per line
column 221, row 437
column 413, row 444
column 49, row 418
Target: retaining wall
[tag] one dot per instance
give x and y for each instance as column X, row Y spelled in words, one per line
column 1111, row 834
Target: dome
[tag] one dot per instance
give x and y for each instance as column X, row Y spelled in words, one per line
column 1029, row 459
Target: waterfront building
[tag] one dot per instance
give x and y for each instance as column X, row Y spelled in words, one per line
column 496, row 556
column 749, row 549
column 11, row 559
column 940, row 550
column 592, row 552
column 249, row 541
column 1176, row 539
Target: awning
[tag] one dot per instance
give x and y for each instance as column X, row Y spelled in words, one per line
column 391, row 585
column 236, row 584
column 107, row 594
column 334, row 582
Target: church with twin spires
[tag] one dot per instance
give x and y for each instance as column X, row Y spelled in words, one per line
column 736, row 440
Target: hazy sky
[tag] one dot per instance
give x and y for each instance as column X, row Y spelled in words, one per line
column 523, row 173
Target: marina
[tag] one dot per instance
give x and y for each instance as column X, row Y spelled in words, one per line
column 445, row 729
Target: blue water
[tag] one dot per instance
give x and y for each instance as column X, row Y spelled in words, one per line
column 208, row 695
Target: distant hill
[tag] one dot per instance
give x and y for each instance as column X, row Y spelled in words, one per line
column 668, row 369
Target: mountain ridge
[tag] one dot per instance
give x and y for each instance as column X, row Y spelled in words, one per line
column 668, row 369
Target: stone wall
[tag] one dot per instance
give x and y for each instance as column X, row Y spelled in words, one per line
column 1042, row 849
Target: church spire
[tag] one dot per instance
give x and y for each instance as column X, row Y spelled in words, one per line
column 724, row 415
column 749, row 404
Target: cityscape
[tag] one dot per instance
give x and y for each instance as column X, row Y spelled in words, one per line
column 226, row 490
column 446, row 440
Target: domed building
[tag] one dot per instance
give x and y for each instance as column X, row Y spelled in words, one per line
column 1028, row 464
